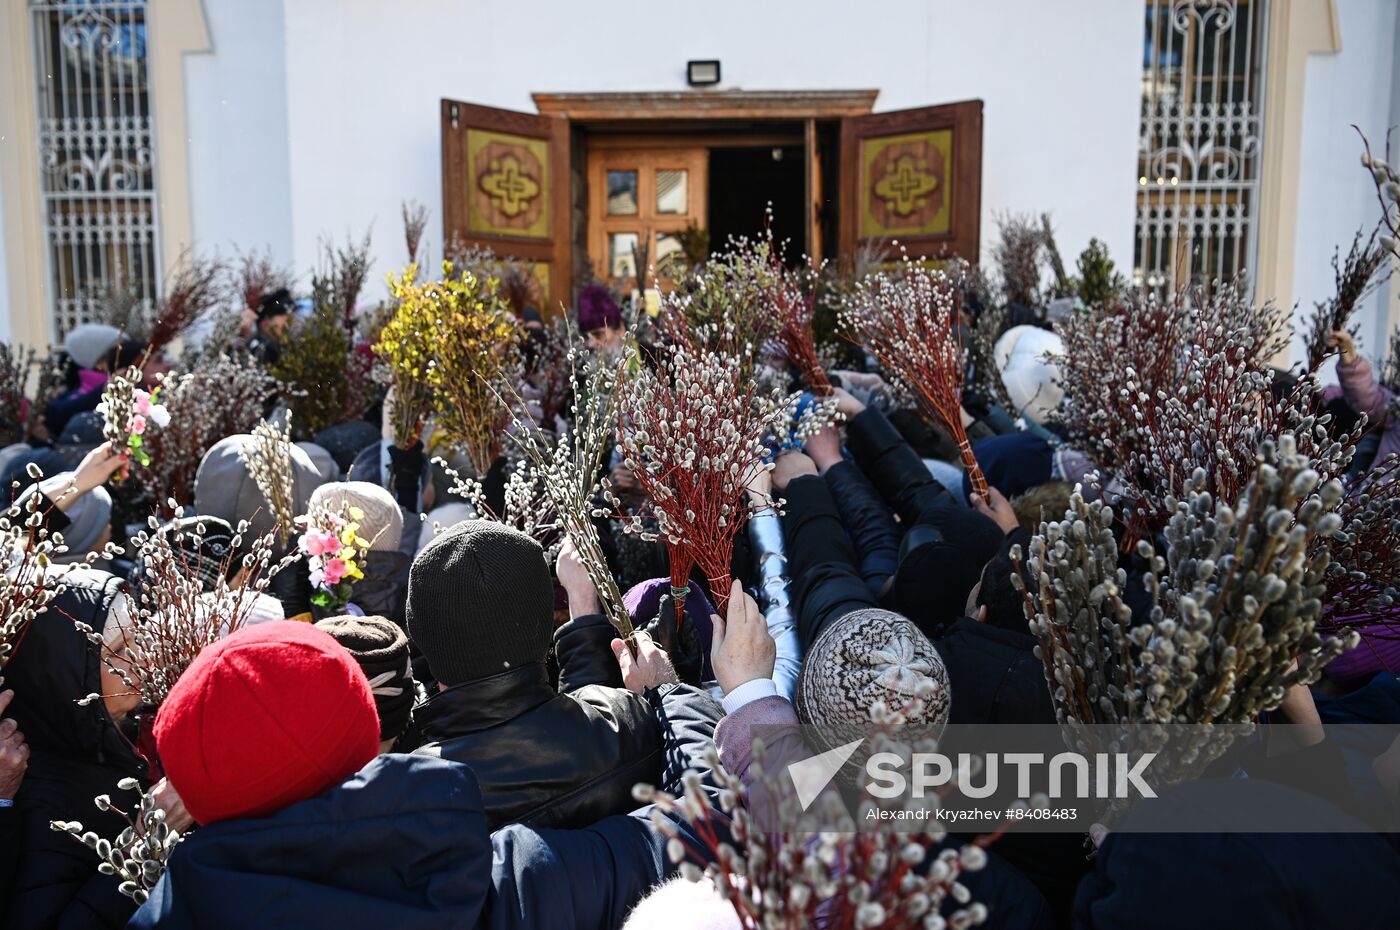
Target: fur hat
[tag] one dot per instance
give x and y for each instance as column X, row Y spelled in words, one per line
column 382, row 523
column 223, row 487
column 88, row 343
column 684, row 904
column 1026, row 356
column 866, row 656
column 597, row 309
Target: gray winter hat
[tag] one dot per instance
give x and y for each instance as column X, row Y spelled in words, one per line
column 870, row 655
column 322, row 459
column 86, row 344
column 224, row 489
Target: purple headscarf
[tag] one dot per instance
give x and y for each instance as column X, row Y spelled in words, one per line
column 597, row 309
column 1372, row 655
column 644, row 599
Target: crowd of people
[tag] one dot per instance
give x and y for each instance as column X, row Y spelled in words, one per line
column 428, row 716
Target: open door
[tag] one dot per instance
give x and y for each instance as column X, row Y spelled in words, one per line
column 915, row 176
column 505, row 185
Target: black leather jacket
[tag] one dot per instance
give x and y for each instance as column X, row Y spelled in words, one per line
column 548, row 759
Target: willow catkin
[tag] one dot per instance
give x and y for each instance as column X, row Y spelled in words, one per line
column 138, row 856
column 268, row 458
column 1161, row 387
column 1235, row 599
column 820, row 869
column 174, row 617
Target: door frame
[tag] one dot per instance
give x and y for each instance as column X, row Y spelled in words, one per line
column 629, row 117
column 649, row 106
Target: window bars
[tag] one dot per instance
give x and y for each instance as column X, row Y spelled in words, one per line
column 1199, row 141
column 96, row 157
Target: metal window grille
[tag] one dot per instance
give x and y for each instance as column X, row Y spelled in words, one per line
column 96, row 158
column 1199, row 140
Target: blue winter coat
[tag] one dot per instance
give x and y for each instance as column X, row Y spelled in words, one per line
column 403, row 844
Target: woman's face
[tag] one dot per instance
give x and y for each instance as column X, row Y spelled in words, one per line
column 119, row 697
column 605, row 338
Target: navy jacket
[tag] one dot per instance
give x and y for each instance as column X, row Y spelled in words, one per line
column 404, row 843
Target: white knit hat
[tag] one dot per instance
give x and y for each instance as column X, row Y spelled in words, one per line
column 1026, row 356
column 86, row 344
column 382, row 523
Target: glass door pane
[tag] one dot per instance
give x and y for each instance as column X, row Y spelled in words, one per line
column 672, row 190
column 622, row 193
column 621, row 258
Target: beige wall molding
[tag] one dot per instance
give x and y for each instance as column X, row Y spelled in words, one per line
column 1297, row 28
column 175, row 28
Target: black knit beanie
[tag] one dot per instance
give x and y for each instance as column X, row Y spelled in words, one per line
column 381, row 649
column 480, row 602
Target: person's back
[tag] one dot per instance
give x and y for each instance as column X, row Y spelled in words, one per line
column 302, row 825
column 480, row 608
column 403, row 843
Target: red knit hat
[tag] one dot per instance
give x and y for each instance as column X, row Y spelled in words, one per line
column 272, row 715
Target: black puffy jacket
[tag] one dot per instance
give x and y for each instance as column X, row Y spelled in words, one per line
column 894, row 468
column 76, row 754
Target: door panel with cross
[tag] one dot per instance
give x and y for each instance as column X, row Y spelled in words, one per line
column 914, row 176
column 505, row 186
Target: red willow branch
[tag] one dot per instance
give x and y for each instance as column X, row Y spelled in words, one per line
column 258, row 275
column 1160, row 388
column 793, row 306
column 196, row 289
column 909, row 321
column 1363, row 576
column 692, row 431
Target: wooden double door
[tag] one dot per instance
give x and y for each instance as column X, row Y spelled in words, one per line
column 555, row 191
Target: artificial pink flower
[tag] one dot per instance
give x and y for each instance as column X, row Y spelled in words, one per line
column 141, row 401
column 319, row 542
column 136, row 425
column 334, row 570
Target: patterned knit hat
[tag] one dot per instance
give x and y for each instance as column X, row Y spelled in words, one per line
column 204, row 548
column 869, row 655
